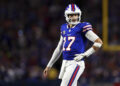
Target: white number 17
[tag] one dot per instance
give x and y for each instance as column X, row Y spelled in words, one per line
column 71, row 39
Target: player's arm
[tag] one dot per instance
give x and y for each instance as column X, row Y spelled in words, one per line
column 56, row 54
column 97, row 43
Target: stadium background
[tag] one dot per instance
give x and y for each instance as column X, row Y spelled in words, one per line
column 29, row 33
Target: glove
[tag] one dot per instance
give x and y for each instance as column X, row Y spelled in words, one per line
column 79, row 56
column 85, row 54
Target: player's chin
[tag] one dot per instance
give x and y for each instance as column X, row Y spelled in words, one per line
column 74, row 20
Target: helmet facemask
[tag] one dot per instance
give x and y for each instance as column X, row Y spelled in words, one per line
column 73, row 21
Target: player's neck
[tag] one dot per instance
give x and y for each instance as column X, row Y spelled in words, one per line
column 71, row 25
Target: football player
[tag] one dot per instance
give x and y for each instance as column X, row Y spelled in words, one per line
column 74, row 36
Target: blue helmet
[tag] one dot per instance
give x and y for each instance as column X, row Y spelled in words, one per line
column 72, row 9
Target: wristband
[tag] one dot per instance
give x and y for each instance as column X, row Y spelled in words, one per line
column 89, row 52
column 96, row 44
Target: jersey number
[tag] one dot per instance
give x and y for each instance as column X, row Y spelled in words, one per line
column 71, row 39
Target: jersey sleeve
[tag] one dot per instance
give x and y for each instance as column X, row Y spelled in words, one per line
column 86, row 27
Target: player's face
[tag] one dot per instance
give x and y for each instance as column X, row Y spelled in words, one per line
column 73, row 17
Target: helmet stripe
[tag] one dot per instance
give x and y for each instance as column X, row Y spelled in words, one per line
column 73, row 7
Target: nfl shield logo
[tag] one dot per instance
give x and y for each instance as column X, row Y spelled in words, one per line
column 63, row 32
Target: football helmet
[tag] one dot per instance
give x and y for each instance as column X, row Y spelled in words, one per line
column 72, row 9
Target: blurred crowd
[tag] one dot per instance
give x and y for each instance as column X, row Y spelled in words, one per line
column 30, row 31
column 114, row 20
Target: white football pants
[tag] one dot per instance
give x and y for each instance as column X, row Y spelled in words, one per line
column 70, row 72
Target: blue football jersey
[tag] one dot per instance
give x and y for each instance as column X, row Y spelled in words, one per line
column 74, row 39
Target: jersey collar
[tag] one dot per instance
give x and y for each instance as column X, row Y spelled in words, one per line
column 72, row 27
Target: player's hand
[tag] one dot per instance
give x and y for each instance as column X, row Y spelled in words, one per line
column 46, row 71
column 79, row 56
